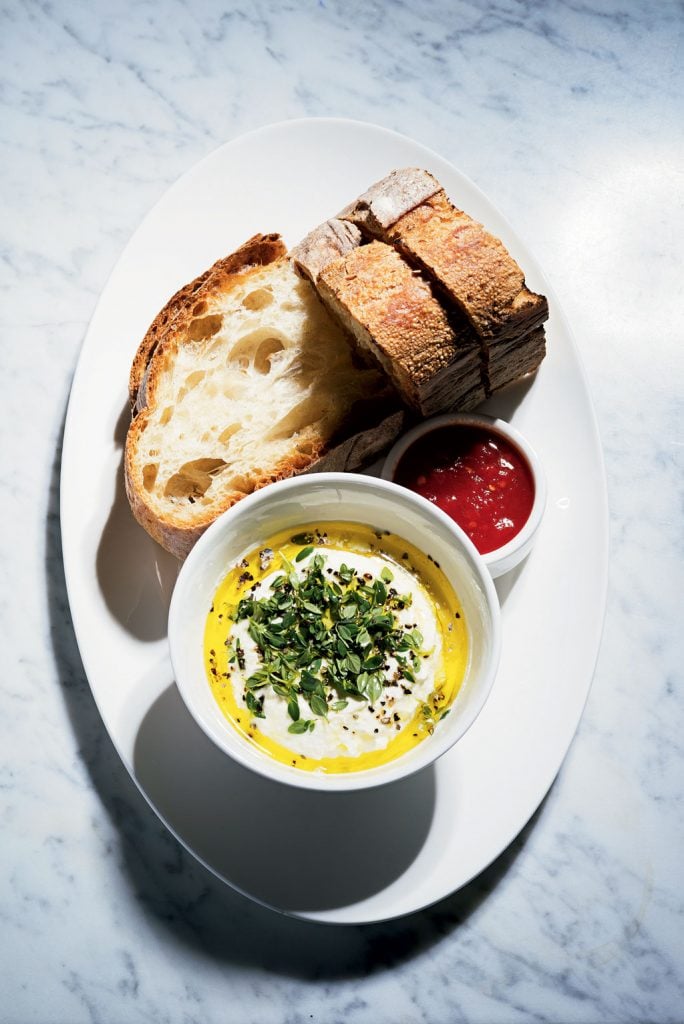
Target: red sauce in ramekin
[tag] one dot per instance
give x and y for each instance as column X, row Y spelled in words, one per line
column 474, row 475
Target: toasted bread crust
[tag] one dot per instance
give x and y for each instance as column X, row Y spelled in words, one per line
column 174, row 535
column 467, row 265
column 323, row 245
column 348, row 455
column 393, row 314
column 258, row 251
column 471, row 267
column 387, row 200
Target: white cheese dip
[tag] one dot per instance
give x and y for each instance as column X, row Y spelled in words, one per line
column 360, row 727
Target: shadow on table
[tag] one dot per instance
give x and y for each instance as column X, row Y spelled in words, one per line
column 136, row 576
column 299, row 850
column 182, row 900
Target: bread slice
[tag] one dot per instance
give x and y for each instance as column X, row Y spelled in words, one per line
column 469, row 268
column 509, row 360
column 388, row 200
column 324, row 245
column 243, row 379
column 392, row 314
column 410, row 210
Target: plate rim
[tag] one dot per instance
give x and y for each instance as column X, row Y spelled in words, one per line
column 601, row 528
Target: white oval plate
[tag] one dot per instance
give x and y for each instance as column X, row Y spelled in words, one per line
column 356, row 857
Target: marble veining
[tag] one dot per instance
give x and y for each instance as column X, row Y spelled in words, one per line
column 568, row 115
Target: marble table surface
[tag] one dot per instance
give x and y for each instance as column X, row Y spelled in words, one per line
column 569, row 116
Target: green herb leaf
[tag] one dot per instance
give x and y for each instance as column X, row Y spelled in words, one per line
column 293, row 708
column 370, row 664
column 354, row 663
column 318, row 705
column 287, row 564
column 345, row 573
column 375, row 688
column 304, row 553
column 299, row 726
column 308, row 682
column 363, row 638
column 255, row 705
column 339, row 705
column 257, row 680
column 386, row 575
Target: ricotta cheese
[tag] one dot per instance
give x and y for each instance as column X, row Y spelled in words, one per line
column 375, row 662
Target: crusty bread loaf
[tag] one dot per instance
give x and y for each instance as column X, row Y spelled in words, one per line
column 469, row 268
column 243, row 379
column 393, row 314
column 410, row 210
column 436, row 364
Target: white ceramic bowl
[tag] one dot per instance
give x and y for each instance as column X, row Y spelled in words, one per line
column 321, row 498
column 509, row 555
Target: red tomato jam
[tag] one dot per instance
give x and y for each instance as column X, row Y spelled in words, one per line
column 474, row 475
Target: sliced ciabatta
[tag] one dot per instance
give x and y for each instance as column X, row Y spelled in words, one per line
column 243, row 379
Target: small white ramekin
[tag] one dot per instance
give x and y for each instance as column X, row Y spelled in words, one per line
column 509, row 555
column 321, row 498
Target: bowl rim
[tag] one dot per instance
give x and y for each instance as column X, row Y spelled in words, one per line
column 401, row 767
column 522, row 540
